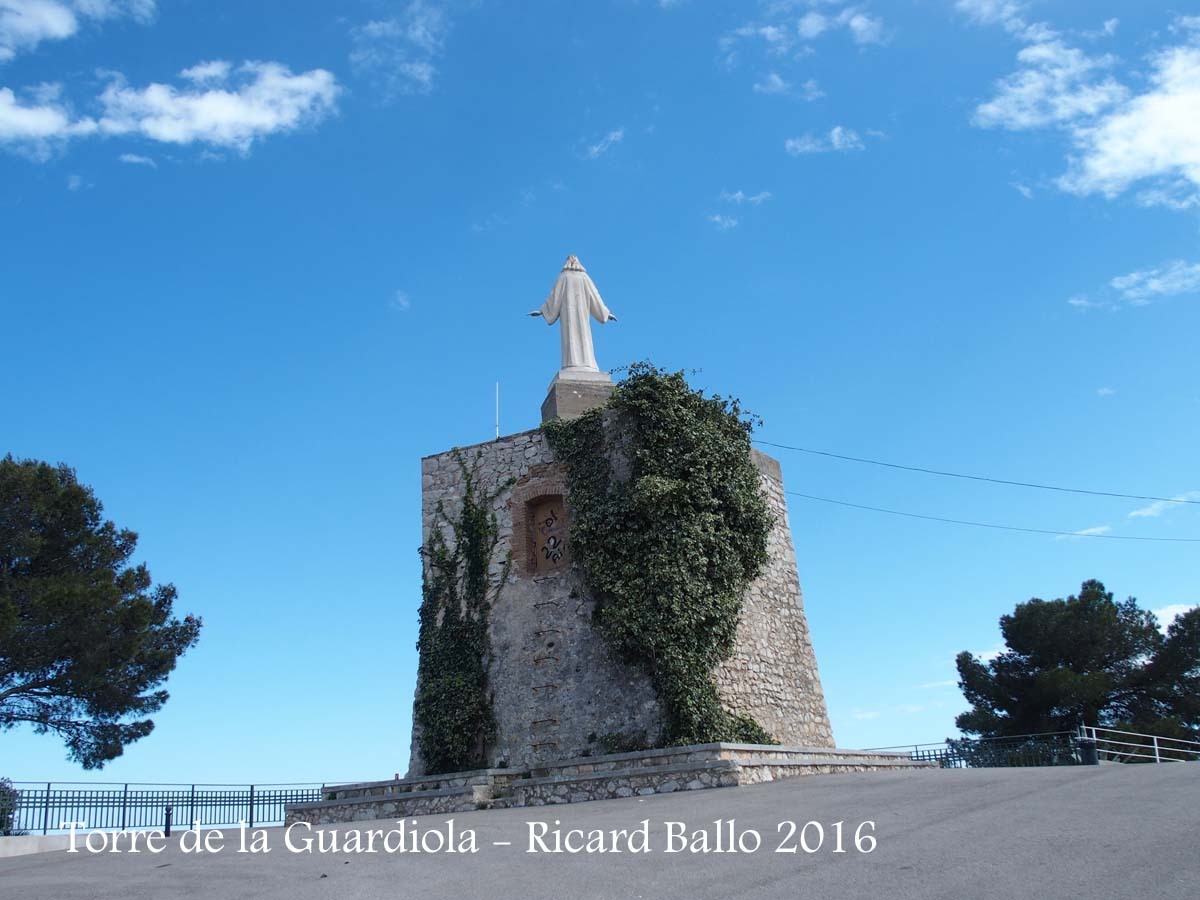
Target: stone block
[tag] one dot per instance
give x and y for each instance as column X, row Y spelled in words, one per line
column 570, row 398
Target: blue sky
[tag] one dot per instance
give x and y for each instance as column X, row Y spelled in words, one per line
column 257, row 259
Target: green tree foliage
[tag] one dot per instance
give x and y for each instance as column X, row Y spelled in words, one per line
column 669, row 546
column 453, row 708
column 8, row 807
column 86, row 639
column 1086, row 660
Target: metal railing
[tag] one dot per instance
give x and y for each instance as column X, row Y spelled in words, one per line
column 1130, row 746
column 1085, row 745
column 42, row 807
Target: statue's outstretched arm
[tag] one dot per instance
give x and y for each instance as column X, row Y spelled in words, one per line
column 611, row 317
column 536, row 312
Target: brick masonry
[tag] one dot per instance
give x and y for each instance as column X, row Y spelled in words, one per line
column 557, row 691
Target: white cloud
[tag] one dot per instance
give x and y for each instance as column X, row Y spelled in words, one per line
column 1095, row 531
column 400, row 51
column 1054, row 84
column 1119, row 137
column 1155, row 135
column 400, row 302
column 213, row 71
column 782, row 29
column 234, row 110
column 75, row 182
column 740, row 197
column 39, row 126
column 986, row 656
column 598, row 149
column 812, row 25
column 1105, row 392
column 249, row 103
column 953, row 682
column 839, row 139
column 1167, row 614
column 1158, row 507
column 1023, row 189
column 723, row 223
column 862, row 716
column 1177, row 277
column 1009, row 14
column 810, row 90
column 772, row 83
column 26, row 23
column 864, row 29
column 135, row 159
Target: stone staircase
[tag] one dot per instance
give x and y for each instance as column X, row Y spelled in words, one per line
column 662, row 771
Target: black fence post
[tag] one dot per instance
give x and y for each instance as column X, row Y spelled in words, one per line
column 124, row 805
column 192, row 808
column 46, row 811
column 251, row 806
column 167, row 823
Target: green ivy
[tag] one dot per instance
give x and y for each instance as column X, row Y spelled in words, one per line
column 669, row 526
column 453, row 708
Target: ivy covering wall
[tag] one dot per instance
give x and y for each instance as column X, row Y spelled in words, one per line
column 669, row 527
column 453, row 709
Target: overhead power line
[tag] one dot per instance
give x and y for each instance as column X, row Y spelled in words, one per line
column 1026, row 484
column 897, row 512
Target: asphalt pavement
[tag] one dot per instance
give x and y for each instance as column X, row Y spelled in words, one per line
column 1073, row 832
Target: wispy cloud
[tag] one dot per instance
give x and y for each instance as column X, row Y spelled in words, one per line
column 723, row 223
column 838, row 139
column 772, row 83
column 1105, row 392
column 1158, row 507
column 784, row 33
column 136, row 159
column 400, row 302
column 1023, row 189
column 740, row 197
column 952, row 682
column 1143, row 287
column 863, row 715
column 1094, row 531
column 602, row 146
column 1176, row 277
column 399, row 52
column 1117, row 136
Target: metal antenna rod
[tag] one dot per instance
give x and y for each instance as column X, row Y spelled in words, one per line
column 497, row 410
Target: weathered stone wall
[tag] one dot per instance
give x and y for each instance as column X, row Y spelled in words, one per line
column 556, row 689
column 661, row 771
column 772, row 674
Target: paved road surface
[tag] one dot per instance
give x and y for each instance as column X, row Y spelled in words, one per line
column 1091, row 833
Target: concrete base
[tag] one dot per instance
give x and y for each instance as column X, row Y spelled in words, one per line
column 24, row 844
column 614, row 775
column 572, row 393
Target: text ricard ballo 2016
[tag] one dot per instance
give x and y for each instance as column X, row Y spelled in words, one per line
column 723, row 836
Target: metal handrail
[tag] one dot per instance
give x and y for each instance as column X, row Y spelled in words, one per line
column 1155, row 749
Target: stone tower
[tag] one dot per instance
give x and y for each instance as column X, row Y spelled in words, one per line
column 557, row 692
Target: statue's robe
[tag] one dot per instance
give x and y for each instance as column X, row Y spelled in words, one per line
column 574, row 298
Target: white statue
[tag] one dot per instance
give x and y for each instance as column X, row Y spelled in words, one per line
column 573, row 298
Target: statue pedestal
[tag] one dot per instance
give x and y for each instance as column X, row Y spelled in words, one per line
column 574, row 392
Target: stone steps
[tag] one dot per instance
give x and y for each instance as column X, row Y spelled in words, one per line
column 661, row 771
